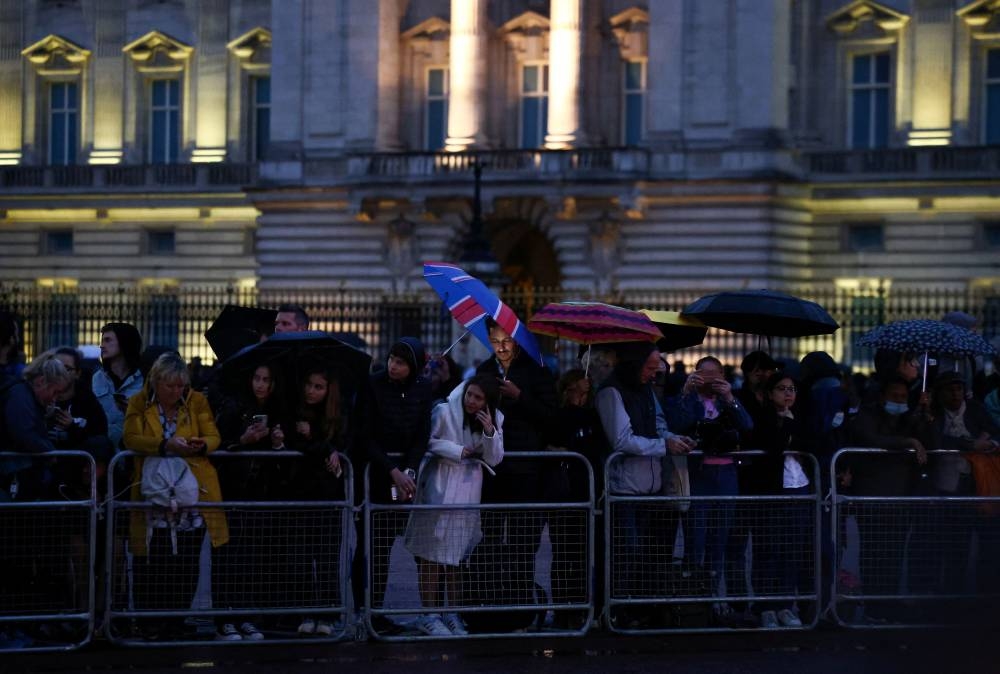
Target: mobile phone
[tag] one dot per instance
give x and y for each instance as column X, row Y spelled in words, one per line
column 260, row 419
column 196, row 442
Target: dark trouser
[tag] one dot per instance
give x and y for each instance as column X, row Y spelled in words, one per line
column 164, row 580
column 518, row 531
column 713, row 521
column 786, row 561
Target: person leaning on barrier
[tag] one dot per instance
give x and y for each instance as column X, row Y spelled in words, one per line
column 119, row 377
column 961, row 424
column 635, row 426
column 25, row 400
column 397, row 428
column 168, row 419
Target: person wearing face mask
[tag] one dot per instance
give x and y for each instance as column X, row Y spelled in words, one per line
column 889, row 424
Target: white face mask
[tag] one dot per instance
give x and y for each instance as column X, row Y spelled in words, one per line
column 895, row 409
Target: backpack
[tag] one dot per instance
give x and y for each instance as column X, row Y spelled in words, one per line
column 169, row 483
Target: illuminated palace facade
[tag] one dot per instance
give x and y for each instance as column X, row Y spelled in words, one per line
column 627, row 146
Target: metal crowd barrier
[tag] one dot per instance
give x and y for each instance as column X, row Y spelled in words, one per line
column 682, row 563
column 914, row 546
column 287, row 558
column 48, row 527
column 532, row 571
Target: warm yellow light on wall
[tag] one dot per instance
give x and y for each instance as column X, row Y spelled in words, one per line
column 147, row 214
column 208, row 155
column 51, row 214
column 929, row 137
column 58, row 282
column 10, row 158
column 105, row 157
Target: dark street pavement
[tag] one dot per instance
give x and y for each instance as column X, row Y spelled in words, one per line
column 823, row 651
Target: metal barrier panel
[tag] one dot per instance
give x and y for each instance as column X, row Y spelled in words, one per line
column 48, row 525
column 913, row 548
column 506, row 569
column 705, row 563
column 284, row 569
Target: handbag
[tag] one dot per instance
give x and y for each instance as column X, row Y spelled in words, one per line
column 679, row 483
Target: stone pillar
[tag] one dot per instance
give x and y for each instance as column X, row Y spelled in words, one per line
column 287, row 64
column 565, row 53
column 467, row 97
column 108, row 84
column 933, row 56
column 11, row 82
column 665, row 73
column 763, row 32
column 209, row 72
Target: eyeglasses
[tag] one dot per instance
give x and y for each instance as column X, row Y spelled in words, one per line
column 502, row 342
column 785, row 389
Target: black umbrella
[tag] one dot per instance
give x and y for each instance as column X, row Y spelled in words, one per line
column 289, row 351
column 238, row 327
column 762, row 312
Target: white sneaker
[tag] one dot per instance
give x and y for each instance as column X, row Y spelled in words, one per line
column 432, row 626
column 308, row 626
column 455, row 624
column 250, row 631
column 228, row 633
column 769, row 620
column 788, row 619
column 324, row 628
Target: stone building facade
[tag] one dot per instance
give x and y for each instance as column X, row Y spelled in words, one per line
column 627, row 146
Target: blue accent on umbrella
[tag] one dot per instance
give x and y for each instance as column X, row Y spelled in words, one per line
column 922, row 335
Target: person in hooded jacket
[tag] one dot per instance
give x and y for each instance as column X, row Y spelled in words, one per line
column 398, row 426
column 119, row 377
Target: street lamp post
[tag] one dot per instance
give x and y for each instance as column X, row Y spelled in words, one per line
column 477, row 257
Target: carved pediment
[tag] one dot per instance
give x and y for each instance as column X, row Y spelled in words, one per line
column 253, row 47
column 430, row 38
column 980, row 14
column 56, row 54
column 847, row 19
column 528, row 34
column 631, row 31
column 158, row 50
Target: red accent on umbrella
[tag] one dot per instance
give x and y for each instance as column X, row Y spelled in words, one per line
column 593, row 323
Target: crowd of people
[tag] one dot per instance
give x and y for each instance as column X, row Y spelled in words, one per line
column 425, row 435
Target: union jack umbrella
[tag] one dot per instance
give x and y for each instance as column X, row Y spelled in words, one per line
column 470, row 301
column 593, row 323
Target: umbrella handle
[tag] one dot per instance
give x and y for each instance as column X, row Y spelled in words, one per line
column 924, row 389
column 586, row 370
column 454, row 344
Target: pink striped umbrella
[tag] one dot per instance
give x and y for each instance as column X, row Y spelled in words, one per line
column 593, row 323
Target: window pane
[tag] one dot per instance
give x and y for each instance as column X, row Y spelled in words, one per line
column 993, row 114
column 161, row 243
column 545, row 79
column 633, row 118
column 263, row 90
column 57, row 128
column 530, row 79
column 882, row 67
column 59, row 243
column 881, row 118
column 862, row 69
column 159, row 93
column 263, row 131
column 862, row 238
column 993, row 64
column 58, row 94
column 633, row 75
column 71, row 95
column 544, row 127
column 174, row 87
column 159, row 137
column 991, row 234
column 174, row 131
column 436, row 124
column 529, row 122
column 435, row 82
column 71, row 140
column 860, row 118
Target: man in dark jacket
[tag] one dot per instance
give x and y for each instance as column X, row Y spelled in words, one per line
column 529, row 404
column 398, row 426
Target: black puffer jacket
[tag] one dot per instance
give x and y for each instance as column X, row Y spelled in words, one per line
column 398, row 414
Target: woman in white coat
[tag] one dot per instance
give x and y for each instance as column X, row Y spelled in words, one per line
column 465, row 435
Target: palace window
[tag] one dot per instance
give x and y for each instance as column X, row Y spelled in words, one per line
column 260, row 118
column 869, row 100
column 164, row 121
column 64, row 123
column 437, row 108
column 991, row 96
column 633, row 102
column 534, row 104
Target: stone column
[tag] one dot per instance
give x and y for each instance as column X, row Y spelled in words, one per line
column 109, row 73
column 467, row 98
column 565, row 52
column 11, row 82
column 933, row 43
column 210, row 63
